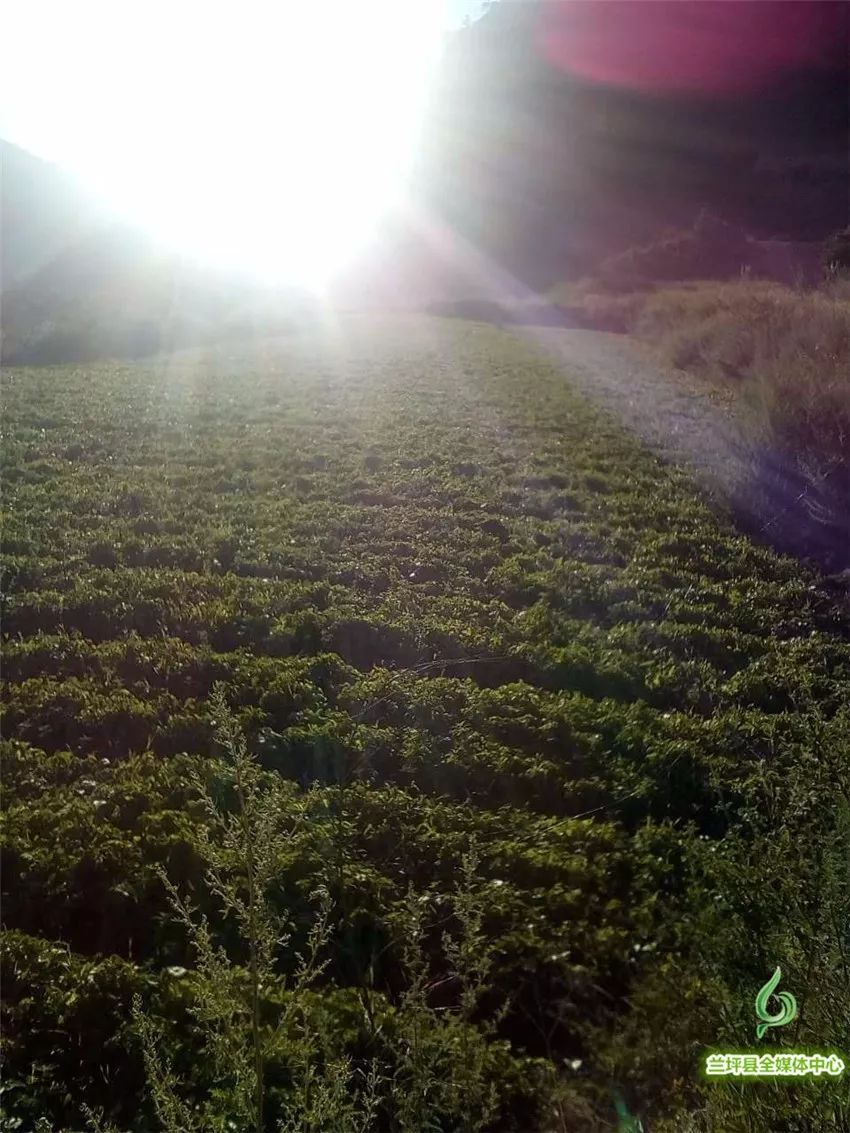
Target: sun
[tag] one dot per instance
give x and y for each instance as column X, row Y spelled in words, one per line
column 268, row 138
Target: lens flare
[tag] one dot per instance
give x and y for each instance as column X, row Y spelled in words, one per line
column 264, row 137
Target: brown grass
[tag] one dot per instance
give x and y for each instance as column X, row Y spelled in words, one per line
column 788, row 354
column 736, row 330
column 600, row 306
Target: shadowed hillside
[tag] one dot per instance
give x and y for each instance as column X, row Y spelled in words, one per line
column 548, row 168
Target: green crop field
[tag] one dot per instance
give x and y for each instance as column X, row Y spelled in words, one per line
column 453, row 607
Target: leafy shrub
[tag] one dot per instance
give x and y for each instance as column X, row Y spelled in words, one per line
column 70, row 1038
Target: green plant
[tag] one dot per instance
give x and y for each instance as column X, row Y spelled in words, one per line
column 450, row 606
column 444, row 1064
column 242, row 845
column 440, row 1067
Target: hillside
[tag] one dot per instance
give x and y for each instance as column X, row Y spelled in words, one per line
column 553, row 141
column 80, row 283
column 44, row 213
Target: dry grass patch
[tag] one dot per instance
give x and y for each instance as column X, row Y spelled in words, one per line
column 788, row 354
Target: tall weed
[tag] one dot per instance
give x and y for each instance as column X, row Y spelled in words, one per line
column 439, row 1071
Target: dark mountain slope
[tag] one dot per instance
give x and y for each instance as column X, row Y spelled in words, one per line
column 545, row 165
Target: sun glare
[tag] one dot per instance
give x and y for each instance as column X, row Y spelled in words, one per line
column 265, row 137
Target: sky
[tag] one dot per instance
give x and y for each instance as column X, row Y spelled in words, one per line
column 50, row 46
column 269, row 135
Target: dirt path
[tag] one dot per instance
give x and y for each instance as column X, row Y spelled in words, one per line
column 671, row 411
column 677, row 416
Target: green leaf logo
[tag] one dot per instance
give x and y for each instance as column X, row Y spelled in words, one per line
column 785, row 1015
